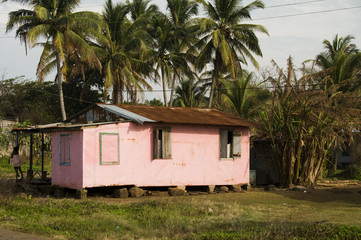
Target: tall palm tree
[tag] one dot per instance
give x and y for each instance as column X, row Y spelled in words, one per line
column 64, row 32
column 341, row 62
column 122, row 57
column 180, row 15
column 341, row 59
column 164, row 41
column 242, row 97
column 189, row 94
column 225, row 41
column 142, row 9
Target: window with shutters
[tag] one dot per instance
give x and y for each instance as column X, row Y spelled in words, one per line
column 64, row 149
column 162, row 143
column 230, row 144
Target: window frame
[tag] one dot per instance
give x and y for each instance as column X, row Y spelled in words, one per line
column 100, row 149
column 69, row 139
column 166, row 143
column 235, row 149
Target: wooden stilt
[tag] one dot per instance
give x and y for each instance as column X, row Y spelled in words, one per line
column 30, row 171
column 43, row 173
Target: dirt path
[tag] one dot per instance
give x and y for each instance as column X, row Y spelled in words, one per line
column 10, row 235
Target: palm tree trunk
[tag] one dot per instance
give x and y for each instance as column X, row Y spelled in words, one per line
column 60, row 87
column 172, row 88
column 212, row 92
column 214, row 78
column 164, row 89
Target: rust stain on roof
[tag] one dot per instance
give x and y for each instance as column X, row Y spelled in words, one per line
column 205, row 116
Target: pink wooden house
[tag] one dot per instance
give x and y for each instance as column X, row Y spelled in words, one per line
column 115, row 145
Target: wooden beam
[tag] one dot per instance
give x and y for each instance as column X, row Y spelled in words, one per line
column 30, row 171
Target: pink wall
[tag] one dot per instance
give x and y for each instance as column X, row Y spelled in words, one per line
column 68, row 175
column 195, row 158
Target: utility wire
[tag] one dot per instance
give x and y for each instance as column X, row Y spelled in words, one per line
column 219, row 89
column 274, row 17
column 273, row 6
column 282, row 16
column 290, row 15
column 292, row 4
column 308, row 13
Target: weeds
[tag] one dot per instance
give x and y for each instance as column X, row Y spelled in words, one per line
column 194, row 218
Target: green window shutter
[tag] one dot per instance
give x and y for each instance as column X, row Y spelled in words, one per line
column 237, row 144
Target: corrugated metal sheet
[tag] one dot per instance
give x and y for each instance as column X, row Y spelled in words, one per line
column 178, row 115
column 121, row 112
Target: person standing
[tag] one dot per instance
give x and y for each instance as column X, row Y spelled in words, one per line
column 16, row 162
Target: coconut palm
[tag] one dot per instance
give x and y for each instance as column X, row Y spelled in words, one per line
column 64, row 32
column 341, row 59
column 341, row 62
column 164, row 41
column 142, row 9
column 180, row 15
column 122, row 57
column 225, row 41
column 189, row 94
column 242, row 97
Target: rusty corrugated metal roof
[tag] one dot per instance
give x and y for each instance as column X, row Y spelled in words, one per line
column 205, row 116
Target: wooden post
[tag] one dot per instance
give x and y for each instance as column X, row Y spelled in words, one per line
column 43, row 173
column 30, row 171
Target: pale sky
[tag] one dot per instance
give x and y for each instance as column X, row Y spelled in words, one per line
column 300, row 35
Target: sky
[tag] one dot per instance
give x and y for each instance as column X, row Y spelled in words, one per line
column 296, row 28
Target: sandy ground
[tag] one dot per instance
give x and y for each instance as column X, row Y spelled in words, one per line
column 10, row 235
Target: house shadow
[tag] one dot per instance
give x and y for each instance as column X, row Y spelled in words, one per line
column 342, row 193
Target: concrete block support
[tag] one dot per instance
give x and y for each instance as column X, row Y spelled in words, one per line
column 181, row 187
column 211, row 188
column 81, row 193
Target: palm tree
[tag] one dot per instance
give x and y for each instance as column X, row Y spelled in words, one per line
column 242, row 97
column 341, row 62
column 189, row 94
column 225, row 41
column 341, row 59
column 122, row 59
column 162, row 45
column 142, row 9
column 180, row 15
column 64, row 32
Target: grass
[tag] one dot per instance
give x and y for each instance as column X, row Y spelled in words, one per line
column 251, row 215
column 349, row 173
column 316, row 214
column 7, row 169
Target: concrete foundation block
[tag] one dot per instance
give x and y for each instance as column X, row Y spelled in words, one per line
column 81, row 193
column 176, row 192
column 211, row 188
column 121, row 193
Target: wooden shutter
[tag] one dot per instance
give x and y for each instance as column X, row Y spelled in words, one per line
column 223, row 136
column 64, row 149
column 167, row 143
column 155, row 143
column 237, row 144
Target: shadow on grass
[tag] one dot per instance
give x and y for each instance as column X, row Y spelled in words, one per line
column 336, row 193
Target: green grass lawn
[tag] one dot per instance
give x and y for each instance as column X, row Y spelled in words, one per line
column 324, row 213
column 319, row 214
column 7, row 169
